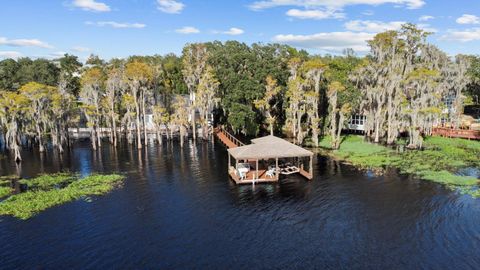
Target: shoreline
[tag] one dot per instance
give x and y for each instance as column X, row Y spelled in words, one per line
column 439, row 162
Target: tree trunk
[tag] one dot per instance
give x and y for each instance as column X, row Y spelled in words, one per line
column 145, row 135
column 315, row 136
column 299, row 131
column 194, row 129
column 294, row 127
column 339, row 130
column 99, row 135
column 181, row 136
column 13, row 141
column 129, row 133
column 39, row 137
column 167, row 132
column 16, row 150
column 58, row 134
column 137, row 125
column 377, row 130
column 158, row 135
column 333, row 129
column 5, row 143
column 114, row 130
column 93, row 138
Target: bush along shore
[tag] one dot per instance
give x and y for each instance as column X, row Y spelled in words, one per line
column 46, row 191
column 439, row 161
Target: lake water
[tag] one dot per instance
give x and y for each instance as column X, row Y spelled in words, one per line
column 179, row 210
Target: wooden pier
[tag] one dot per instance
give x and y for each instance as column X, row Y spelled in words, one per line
column 456, row 133
column 227, row 139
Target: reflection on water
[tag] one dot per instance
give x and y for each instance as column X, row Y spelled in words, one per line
column 179, row 210
column 470, row 171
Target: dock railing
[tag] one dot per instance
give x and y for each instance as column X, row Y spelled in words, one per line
column 456, row 133
column 229, row 136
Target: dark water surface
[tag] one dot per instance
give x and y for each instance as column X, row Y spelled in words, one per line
column 179, row 210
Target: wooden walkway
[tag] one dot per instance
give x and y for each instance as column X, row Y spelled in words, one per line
column 457, row 133
column 227, row 139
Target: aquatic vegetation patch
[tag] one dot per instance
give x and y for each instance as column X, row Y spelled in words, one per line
column 33, row 201
column 5, row 185
column 49, row 181
column 7, row 179
column 447, row 178
column 438, row 162
column 5, row 191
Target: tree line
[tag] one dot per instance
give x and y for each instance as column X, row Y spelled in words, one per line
column 400, row 87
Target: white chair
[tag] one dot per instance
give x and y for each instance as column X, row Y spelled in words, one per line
column 242, row 175
column 270, row 173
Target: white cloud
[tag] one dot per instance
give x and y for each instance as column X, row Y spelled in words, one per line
column 333, row 41
column 170, row 6
column 468, row 19
column 462, row 36
column 368, row 13
column 425, row 18
column 10, row 54
column 372, row 26
column 333, row 4
column 117, row 24
column 187, row 30
column 91, row 5
column 315, row 14
column 379, row 26
column 426, row 27
column 57, row 54
column 80, row 49
column 232, row 31
column 24, row 43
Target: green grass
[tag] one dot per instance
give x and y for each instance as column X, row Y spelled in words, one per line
column 362, row 154
column 439, row 161
column 27, row 204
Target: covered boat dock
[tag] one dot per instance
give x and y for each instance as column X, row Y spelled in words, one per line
column 266, row 159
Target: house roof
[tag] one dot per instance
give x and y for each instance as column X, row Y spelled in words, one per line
column 269, row 147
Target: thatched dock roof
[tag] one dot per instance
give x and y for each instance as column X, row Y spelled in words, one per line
column 269, row 147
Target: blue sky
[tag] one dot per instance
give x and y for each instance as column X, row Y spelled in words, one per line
column 118, row 28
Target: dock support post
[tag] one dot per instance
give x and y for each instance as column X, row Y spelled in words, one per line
column 277, row 173
column 310, row 167
column 256, row 167
column 229, row 162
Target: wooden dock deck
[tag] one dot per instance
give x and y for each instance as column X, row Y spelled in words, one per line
column 251, row 177
column 456, row 133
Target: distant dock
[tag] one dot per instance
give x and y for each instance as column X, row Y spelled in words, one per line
column 259, row 162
